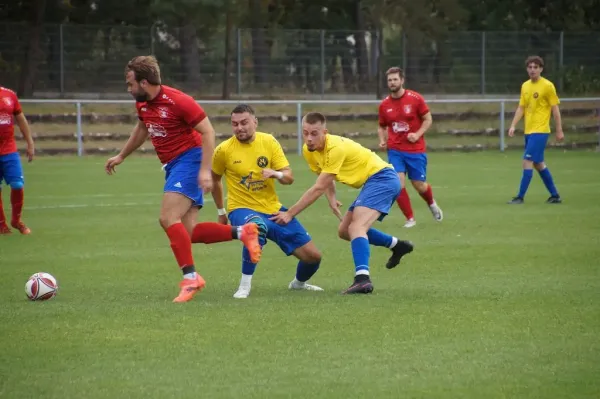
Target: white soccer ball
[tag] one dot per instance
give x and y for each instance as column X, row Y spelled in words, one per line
column 41, row 287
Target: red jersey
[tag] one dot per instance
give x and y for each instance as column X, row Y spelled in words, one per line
column 170, row 119
column 402, row 116
column 9, row 107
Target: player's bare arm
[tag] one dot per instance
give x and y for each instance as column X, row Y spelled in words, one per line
column 518, row 115
column 217, row 194
column 138, row 136
column 425, row 126
column 334, row 204
column 382, row 133
column 284, row 176
column 24, row 127
column 558, row 122
column 205, row 128
column 323, row 182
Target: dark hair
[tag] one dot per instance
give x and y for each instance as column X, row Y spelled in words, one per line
column 536, row 59
column 241, row 108
column 144, row 67
column 394, row 70
column 314, row 117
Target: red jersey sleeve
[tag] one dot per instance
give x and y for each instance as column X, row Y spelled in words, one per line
column 382, row 121
column 17, row 106
column 422, row 107
column 191, row 111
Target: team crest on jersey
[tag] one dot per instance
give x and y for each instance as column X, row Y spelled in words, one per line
column 407, row 108
column 162, row 112
column 7, row 101
column 262, row 161
column 536, row 95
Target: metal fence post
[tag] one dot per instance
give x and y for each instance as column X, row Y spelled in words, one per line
column 62, row 59
column 483, row 62
column 238, row 60
column 299, row 126
column 79, row 131
column 502, row 126
column 322, row 63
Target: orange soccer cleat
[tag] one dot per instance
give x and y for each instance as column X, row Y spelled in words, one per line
column 21, row 227
column 189, row 288
column 250, row 240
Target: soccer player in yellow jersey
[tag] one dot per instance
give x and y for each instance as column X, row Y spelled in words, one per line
column 338, row 158
column 251, row 162
column 538, row 100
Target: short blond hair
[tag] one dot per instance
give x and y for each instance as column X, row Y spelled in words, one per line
column 144, row 67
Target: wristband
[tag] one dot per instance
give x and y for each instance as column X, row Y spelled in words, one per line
column 278, row 175
column 221, row 212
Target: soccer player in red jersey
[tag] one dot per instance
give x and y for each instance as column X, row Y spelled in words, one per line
column 403, row 120
column 184, row 140
column 10, row 163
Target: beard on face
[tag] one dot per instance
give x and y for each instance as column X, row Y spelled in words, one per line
column 395, row 89
column 141, row 97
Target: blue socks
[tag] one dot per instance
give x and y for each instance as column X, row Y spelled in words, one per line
column 305, row 271
column 361, row 252
column 379, row 239
column 548, row 182
column 525, row 180
column 248, row 267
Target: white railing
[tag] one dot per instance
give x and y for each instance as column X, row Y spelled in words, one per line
column 299, row 105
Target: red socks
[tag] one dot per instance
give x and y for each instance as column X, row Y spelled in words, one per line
column 16, row 200
column 180, row 244
column 211, row 232
column 404, row 203
column 428, row 195
column 2, row 216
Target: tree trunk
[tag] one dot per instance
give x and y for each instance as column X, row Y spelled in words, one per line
column 31, row 61
column 227, row 58
column 362, row 54
column 260, row 54
column 190, row 57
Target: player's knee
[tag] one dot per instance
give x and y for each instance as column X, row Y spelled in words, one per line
column 539, row 166
column 17, row 185
column 420, row 186
column 312, row 256
column 343, row 232
column 165, row 221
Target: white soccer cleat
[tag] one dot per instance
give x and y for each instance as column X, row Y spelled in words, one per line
column 243, row 292
column 436, row 211
column 410, row 223
column 297, row 285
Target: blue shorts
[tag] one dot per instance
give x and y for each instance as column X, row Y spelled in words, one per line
column 379, row 192
column 535, row 144
column 11, row 170
column 182, row 176
column 413, row 164
column 289, row 237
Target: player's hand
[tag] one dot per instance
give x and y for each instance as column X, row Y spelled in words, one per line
column 205, row 181
column 30, row 151
column 111, row 163
column 559, row 135
column 335, row 207
column 412, row 137
column 222, row 219
column 268, row 173
column 281, row 218
column 511, row 132
column 382, row 145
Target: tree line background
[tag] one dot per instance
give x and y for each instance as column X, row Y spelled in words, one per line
column 273, row 47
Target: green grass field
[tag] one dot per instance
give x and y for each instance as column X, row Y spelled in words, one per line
column 497, row 301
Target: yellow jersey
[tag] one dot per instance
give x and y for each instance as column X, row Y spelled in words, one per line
column 537, row 100
column 351, row 163
column 242, row 165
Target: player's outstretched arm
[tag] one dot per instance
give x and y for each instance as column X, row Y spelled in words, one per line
column 205, row 128
column 310, row 196
column 516, row 119
column 382, row 133
column 217, row 194
column 137, row 138
column 285, row 175
column 24, row 127
column 558, row 122
column 334, row 204
column 426, row 122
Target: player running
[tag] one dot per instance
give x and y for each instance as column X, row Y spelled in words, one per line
column 338, row 158
column 184, row 140
column 11, row 170
column 251, row 162
column 538, row 99
column 403, row 120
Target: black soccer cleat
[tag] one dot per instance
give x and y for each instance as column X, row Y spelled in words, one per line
column 516, row 201
column 402, row 248
column 362, row 285
column 555, row 199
